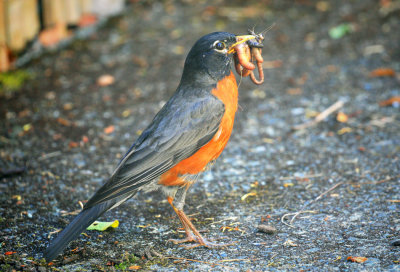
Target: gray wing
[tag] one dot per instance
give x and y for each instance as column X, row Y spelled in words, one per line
column 180, row 129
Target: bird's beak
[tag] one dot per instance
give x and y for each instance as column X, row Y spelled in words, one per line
column 239, row 40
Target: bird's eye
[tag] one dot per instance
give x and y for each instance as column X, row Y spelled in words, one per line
column 219, row 45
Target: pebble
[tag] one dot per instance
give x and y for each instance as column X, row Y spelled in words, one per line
column 268, row 229
column 395, row 243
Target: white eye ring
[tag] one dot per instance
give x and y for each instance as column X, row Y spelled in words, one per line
column 220, row 47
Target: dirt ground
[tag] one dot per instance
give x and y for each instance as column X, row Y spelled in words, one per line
column 330, row 188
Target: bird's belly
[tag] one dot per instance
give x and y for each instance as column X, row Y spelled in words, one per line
column 180, row 174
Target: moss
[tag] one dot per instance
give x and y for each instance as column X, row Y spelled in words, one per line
column 129, row 261
column 14, row 80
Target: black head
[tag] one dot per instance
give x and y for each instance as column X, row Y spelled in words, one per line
column 209, row 61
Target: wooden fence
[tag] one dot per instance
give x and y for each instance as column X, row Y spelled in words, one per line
column 23, row 21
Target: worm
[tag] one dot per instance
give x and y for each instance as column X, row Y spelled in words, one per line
column 244, row 57
column 240, row 69
column 256, row 52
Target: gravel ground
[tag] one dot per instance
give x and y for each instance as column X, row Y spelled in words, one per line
column 329, row 189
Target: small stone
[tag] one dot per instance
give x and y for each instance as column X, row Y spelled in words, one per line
column 267, row 229
column 395, row 243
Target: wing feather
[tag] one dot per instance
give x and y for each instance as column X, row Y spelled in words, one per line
column 182, row 127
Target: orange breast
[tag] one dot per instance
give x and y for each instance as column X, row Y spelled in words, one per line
column 227, row 92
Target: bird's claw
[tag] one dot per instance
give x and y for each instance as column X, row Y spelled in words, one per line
column 198, row 242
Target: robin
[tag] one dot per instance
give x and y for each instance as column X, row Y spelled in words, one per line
column 186, row 136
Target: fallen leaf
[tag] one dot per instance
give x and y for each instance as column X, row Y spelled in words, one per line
column 294, row 91
column 102, row 226
column 342, row 117
column 344, row 130
column 357, row 259
column 140, row 61
column 27, row 127
column 322, row 6
column 390, row 102
column 290, row 243
column 126, row 113
column 87, row 20
column 134, row 267
column 17, row 197
column 64, row 122
column 109, row 129
column 288, row 184
column 105, row 80
column 51, row 36
column 339, row 31
column 382, row 72
column 361, row 148
column 243, row 198
column 73, row 144
column 85, row 139
column 144, row 226
column 68, row 106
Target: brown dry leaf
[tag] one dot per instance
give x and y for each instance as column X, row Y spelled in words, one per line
column 322, row 6
column 357, row 259
column 140, row 61
column 87, row 20
column 105, row 80
column 64, row 122
column 85, row 139
column 390, row 101
column 109, row 129
column 288, row 184
column 290, row 243
column 342, row 117
column 73, row 144
column 51, row 36
column 134, row 267
column 344, row 130
column 294, row 91
column 361, row 148
column 382, row 72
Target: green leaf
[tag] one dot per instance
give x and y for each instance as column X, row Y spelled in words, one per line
column 339, row 31
column 102, row 226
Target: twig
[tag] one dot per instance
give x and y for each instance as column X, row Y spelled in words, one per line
column 49, row 155
column 316, row 199
column 295, row 213
column 11, row 171
column 234, row 260
column 301, row 177
column 53, row 232
column 320, row 117
column 311, row 202
column 198, row 261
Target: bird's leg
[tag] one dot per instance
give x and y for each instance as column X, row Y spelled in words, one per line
column 180, row 199
column 192, row 234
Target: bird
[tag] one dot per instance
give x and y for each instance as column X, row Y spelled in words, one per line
column 185, row 137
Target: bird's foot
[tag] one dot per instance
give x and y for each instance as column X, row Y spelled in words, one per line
column 189, row 238
column 198, row 241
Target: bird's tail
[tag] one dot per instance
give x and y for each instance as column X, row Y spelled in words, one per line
column 72, row 231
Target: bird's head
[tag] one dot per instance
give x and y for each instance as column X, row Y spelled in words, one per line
column 210, row 58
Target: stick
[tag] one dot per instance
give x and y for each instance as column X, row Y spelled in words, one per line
column 198, row 261
column 320, row 117
column 313, row 201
